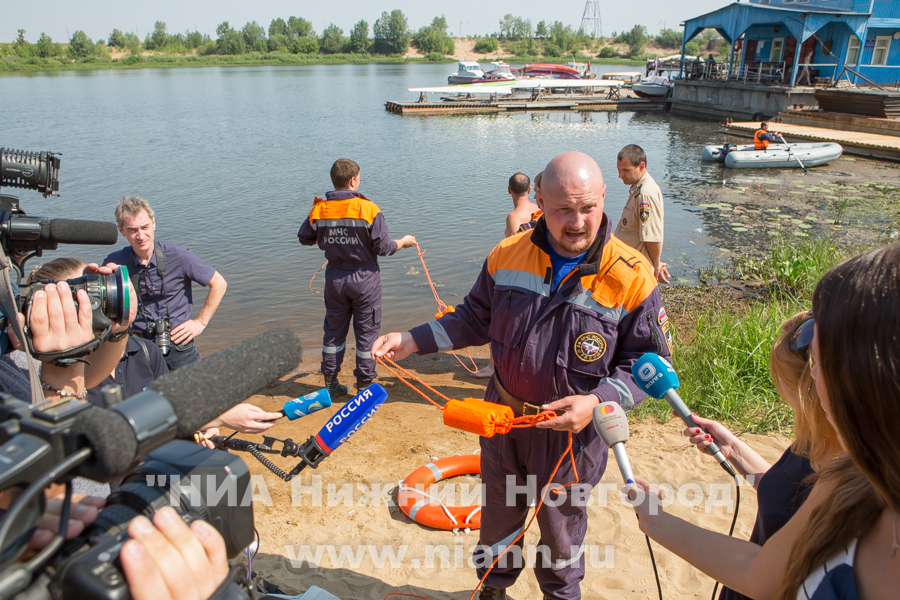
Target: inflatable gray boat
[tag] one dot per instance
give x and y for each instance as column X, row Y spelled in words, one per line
column 776, row 156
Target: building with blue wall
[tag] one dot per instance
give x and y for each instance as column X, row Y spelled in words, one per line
column 793, row 42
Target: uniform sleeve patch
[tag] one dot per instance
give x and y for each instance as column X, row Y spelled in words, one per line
column 590, row 346
column 644, row 211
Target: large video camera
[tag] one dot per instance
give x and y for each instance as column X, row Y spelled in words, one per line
column 131, row 440
column 21, row 234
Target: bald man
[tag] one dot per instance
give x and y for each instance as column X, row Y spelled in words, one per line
column 567, row 309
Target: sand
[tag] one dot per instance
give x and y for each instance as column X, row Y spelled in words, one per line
column 406, row 433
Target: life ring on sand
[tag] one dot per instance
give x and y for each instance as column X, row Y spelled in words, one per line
column 425, row 509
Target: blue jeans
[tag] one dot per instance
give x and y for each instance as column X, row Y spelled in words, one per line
column 180, row 356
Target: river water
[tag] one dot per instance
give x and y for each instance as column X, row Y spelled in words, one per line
column 231, row 158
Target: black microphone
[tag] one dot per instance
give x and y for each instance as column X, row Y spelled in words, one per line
column 73, row 231
column 180, row 403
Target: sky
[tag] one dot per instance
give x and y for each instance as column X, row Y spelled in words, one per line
column 60, row 18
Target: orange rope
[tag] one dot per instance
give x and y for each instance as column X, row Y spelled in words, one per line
column 443, row 309
column 518, row 422
column 314, row 276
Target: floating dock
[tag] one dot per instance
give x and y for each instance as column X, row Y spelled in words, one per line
column 546, row 104
column 870, row 145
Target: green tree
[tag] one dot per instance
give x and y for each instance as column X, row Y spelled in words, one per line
column 230, row 41
column 506, row 25
column 669, row 38
column 486, row 45
column 541, row 30
column 332, row 41
column 24, row 48
column 692, row 48
column 158, row 39
column 278, row 42
column 562, row 37
column 391, row 33
column 521, row 29
column 133, row 43
column 434, row 38
column 193, row 39
column 278, row 27
column 116, row 39
column 80, row 45
column 636, row 39
column 305, row 45
column 359, row 38
column 45, row 48
column 298, row 27
column 255, row 37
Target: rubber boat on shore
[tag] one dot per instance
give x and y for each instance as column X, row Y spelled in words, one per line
column 547, row 71
column 776, row 156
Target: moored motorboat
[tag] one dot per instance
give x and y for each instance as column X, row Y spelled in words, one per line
column 776, row 156
column 467, row 72
column 500, row 72
column 653, row 86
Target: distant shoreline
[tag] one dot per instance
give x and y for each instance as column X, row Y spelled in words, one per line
column 166, row 61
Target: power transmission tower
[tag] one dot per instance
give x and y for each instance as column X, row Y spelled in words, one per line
column 590, row 20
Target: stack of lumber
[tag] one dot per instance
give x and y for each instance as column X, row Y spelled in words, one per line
column 869, row 103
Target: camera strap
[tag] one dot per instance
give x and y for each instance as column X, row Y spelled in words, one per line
column 8, row 304
column 136, row 279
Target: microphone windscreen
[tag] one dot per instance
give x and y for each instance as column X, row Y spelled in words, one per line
column 654, row 375
column 113, row 442
column 72, row 231
column 204, row 390
column 610, row 423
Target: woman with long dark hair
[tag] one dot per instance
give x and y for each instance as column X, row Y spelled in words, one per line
column 843, row 542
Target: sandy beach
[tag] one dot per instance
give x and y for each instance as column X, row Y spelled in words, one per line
column 348, row 504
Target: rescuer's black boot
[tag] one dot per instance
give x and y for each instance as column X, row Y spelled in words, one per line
column 335, row 389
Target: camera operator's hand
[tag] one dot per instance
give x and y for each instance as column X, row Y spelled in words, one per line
column 245, row 418
column 82, row 513
column 187, row 331
column 173, row 561
column 203, row 437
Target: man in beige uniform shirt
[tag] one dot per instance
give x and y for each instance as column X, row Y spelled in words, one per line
column 641, row 225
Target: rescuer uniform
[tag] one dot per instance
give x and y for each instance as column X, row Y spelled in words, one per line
column 762, row 138
column 642, row 218
column 351, row 230
column 578, row 339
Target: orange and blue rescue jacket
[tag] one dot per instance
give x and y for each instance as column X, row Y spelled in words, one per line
column 581, row 339
column 349, row 228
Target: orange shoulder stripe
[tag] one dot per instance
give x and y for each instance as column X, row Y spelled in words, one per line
column 517, row 253
column 352, row 208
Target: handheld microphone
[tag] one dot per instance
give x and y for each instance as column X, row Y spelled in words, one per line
column 305, row 405
column 611, row 425
column 182, row 402
column 658, row 379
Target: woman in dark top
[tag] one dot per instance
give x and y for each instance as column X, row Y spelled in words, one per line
column 780, row 488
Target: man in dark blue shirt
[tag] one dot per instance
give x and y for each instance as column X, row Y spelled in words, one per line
column 141, row 363
column 162, row 274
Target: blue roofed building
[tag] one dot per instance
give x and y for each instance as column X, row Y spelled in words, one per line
column 781, row 48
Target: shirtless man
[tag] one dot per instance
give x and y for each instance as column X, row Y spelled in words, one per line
column 519, row 188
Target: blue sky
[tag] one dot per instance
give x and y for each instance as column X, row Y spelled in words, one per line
column 60, row 18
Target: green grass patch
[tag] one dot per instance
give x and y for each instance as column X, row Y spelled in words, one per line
column 722, row 350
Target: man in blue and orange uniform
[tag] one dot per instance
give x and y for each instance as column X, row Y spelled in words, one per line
column 762, row 137
column 567, row 309
column 351, row 230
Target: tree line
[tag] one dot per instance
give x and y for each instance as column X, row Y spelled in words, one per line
column 391, row 35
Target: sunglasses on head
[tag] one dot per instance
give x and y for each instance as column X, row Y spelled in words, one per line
column 802, row 337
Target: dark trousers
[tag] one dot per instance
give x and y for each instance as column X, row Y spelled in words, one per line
column 180, row 356
column 514, row 459
column 357, row 295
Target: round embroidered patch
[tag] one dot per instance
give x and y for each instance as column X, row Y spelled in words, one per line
column 590, row 346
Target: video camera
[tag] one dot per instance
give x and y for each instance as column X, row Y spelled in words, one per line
column 133, row 440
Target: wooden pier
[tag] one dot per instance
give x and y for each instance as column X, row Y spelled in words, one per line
column 587, row 104
column 870, row 145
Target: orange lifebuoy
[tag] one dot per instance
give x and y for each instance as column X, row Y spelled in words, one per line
column 426, row 510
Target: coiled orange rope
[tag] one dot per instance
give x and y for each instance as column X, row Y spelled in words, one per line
column 314, row 276
column 443, row 309
column 517, row 422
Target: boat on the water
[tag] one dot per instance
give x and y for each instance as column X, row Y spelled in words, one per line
column 547, row 71
column 776, row 156
column 500, row 72
column 653, row 86
column 467, row 72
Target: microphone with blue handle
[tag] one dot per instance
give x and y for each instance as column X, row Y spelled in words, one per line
column 306, row 405
column 611, row 425
column 658, row 379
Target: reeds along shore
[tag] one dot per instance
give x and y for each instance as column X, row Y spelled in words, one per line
column 722, row 340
